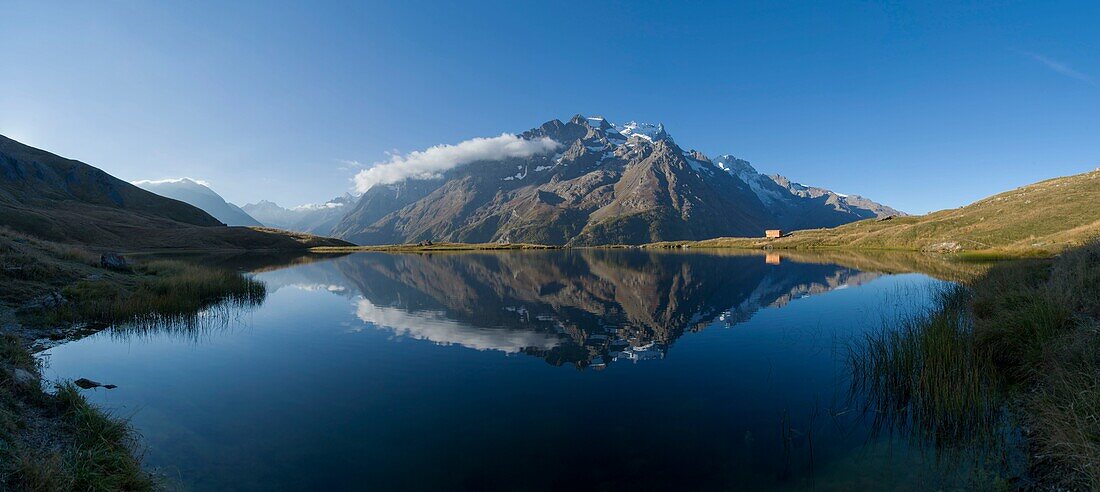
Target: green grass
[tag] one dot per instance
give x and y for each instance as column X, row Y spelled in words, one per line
column 1025, row 334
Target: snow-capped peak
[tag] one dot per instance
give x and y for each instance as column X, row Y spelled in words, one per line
column 597, row 121
column 318, row 206
column 648, row 131
column 761, row 185
column 181, row 181
column 734, row 165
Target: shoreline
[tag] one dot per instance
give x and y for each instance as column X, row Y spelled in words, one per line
column 51, row 437
column 739, row 244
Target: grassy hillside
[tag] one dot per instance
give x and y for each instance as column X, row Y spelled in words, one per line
column 1037, row 219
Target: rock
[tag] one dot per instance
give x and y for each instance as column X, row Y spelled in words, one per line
column 944, row 247
column 113, row 261
column 24, row 377
column 85, row 383
column 49, row 300
column 424, row 243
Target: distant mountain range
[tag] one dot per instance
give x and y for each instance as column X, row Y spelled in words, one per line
column 314, row 219
column 198, row 194
column 65, row 200
column 604, row 184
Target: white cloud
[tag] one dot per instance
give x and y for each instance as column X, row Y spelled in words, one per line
column 430, row 163
column 1061, row 68
column 434, row 326
column 349, row 164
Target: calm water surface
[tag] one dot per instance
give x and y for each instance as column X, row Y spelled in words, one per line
column 587, row 370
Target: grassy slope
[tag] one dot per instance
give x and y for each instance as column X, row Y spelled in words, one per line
column 51, row 197
column 57, row 441
column 1037, row 219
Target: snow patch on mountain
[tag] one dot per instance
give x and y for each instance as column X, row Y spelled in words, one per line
column 761, row 185
column 647, row 131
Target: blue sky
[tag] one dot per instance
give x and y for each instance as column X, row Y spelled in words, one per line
column 917, row 106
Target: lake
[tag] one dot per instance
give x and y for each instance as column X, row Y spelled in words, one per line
column 524, row 370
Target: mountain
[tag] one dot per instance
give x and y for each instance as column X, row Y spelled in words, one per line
column 1045, row 217
column 796, row 206
column 198, row 194
column 65, row 200
column 311, row 218
column 605, row 184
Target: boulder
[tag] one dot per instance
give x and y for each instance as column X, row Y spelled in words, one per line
column 944, row 247
column 85, row 383
column 113, row 261
column 47, row 301
column 24, row 377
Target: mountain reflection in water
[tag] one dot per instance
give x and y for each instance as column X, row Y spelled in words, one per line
column 437, row 372
column 588, row 308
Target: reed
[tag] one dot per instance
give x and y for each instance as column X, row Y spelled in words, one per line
column 926, row 374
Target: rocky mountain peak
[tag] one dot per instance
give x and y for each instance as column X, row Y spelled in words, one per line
column 646, row 131
column 733, row 165
column 605, row 184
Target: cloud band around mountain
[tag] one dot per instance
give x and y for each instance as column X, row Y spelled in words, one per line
column 432, row 162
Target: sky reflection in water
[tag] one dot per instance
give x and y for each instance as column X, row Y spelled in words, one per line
column 586, row 369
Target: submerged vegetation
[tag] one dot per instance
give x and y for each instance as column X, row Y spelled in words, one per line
column 56, row 440
column 1022, row 338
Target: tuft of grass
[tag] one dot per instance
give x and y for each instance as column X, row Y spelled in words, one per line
column 59, row 441
column 928, row 376
column 103, row 457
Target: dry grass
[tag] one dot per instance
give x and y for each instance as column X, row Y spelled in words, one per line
column 1039, row 319
column 164, row 291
